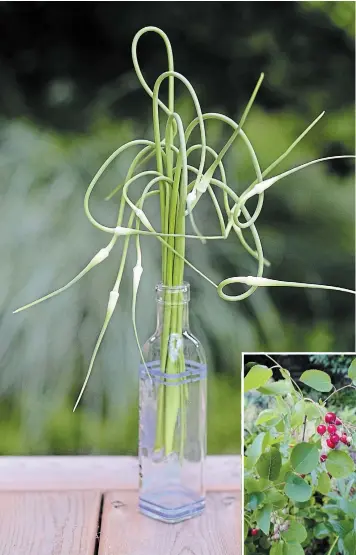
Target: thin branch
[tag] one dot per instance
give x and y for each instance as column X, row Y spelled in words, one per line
column 337, row 391
column 304, row 427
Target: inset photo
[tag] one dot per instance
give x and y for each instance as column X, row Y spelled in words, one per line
column 299, row 445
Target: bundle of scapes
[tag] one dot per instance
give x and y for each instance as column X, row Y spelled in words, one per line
column 168, row 390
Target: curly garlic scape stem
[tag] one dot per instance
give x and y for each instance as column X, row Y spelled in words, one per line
column 179, row 198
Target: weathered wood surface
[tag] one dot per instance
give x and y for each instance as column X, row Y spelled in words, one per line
column 52, row 506
column 223, row 472
column 57, row 523
column 124, row 531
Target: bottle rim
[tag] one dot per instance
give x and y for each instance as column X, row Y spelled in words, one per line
column 173, row 294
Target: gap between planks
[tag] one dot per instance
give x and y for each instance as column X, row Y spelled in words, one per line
column 100, row 473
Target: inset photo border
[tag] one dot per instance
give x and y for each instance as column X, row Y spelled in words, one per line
column 299, row 453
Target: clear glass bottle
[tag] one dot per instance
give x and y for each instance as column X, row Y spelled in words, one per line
column 172, row 434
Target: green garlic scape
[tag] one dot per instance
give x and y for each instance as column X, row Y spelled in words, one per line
column 179, row 186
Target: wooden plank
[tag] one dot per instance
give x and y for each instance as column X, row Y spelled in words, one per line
column 125, row 531
column 48, row 523
column 100, row 473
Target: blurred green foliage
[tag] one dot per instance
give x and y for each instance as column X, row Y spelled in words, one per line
column 88, row 432
column 63, row 114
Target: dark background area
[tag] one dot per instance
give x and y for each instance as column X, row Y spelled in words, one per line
column 68, row 98
column 335, row 364
column 308, row 60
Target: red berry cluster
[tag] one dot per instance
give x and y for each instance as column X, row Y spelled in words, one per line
column 254, row 531
column 334, row 437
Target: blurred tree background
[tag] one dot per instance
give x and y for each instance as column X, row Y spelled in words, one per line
column 68, row 98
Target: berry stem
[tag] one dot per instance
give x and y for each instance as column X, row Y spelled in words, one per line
column 337, row 391
column 333, row 545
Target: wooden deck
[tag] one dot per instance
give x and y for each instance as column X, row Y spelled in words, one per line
column 88, row 506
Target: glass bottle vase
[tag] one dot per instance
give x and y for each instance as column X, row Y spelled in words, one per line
column 172, row 433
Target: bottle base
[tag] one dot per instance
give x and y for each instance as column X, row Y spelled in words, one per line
column 171, row 514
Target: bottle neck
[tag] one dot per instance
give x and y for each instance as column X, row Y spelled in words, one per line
column 180, row 313
column 173, row 308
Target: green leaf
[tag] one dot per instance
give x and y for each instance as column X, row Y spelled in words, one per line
column 285, row 373
column 252, row 485
column 268, row 440
column 317, row 380
column 324, row 483
column 339, row 464
column 248, row 463
column 281, row 426
column 296, row 533
column 256, row 447
column 352, row 371
column 297, row 489
column 269, row 464
column 249, row 365
column 246, row 530
column 257, row 377
column 293, row 549
column 286, row 467
column 318, row 442
column 341, row 527
column 265, row 542
column 321, row 531
column 277, row 549
column 267, row 416
column 281, row 405
column 276, row 499
column 314, row 412
column 350, row 543
column 304, row 457
column 263, row 518
column 298, row 414
column 255, row 499
column 282, row 387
